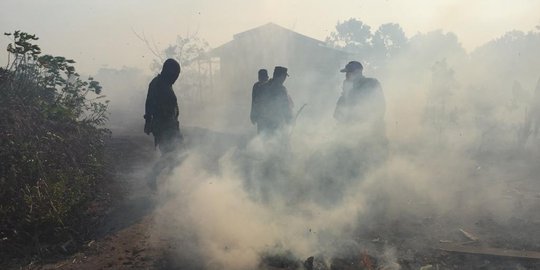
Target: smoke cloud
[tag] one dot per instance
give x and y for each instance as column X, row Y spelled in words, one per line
column 456, row 157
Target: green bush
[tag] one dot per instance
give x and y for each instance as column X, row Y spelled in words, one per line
column 51, row 149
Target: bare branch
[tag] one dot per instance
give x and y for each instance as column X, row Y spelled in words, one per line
column 151, row 47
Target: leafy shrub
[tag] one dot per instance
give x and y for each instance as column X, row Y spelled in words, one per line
column 51, row 148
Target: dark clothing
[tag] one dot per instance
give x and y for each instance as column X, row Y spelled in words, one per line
column 275, row 107
column 362, row 102
column 256, row 101
column 161, row 102
column 360, row 110
column 162, row 112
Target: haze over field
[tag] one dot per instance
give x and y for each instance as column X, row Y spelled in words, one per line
column 100, row 33
column 461, row 81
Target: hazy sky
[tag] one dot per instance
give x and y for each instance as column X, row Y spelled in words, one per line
column 99, row 33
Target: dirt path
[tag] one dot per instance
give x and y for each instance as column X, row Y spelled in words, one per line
column 124, row 240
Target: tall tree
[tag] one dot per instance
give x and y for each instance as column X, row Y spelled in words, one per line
column 351, row 35
column 388, row 40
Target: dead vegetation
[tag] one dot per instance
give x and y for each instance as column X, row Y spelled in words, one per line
column 51, row 152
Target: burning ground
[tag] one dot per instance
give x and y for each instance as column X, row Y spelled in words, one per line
column 241, row 203
column 442, row 192
column 280, row 203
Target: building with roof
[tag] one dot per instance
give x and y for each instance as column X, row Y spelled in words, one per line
column 313, row 67
column 272, row 45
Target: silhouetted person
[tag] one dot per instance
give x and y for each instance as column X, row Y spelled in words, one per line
column 161, row 116
column 361, row 101
column 256, row 97
column 161, row 113
column 275, row 103
column 360, row 109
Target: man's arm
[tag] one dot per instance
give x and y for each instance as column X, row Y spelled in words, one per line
column 284, row 105
column 380, row 102
column 290, row 107
column 338, row 112
column 176, row 107
column 253, row 114
column 150, row 107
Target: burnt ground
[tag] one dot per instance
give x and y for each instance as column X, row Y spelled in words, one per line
column 123, row 239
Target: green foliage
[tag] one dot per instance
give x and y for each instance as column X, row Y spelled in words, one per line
column 22, row 46
column 51, row 148
column 56, row 75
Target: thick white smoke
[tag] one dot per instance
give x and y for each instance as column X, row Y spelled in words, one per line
column 454, row 157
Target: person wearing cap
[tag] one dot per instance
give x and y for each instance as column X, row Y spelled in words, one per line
column 276, row 104
column 256, row 97
column 161, row 108
column 360, row 112
column 361, row 101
